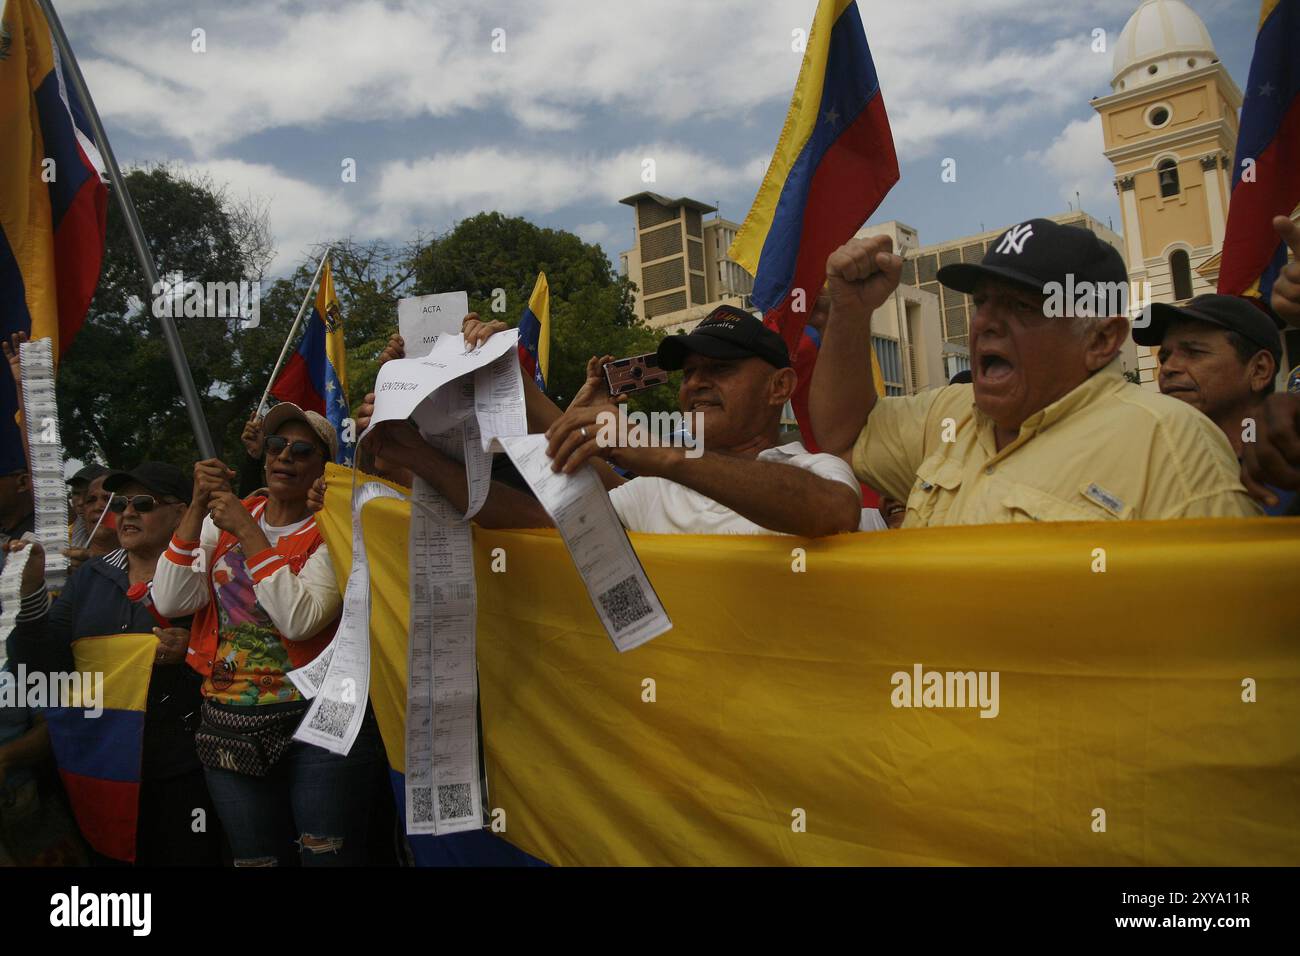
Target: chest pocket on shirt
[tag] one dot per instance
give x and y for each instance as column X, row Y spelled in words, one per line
column 1026, row 503
column 935, row 489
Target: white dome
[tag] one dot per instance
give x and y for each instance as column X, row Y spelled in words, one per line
column 1163, row 38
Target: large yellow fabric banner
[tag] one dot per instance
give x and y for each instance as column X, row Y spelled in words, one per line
column 1141, row 681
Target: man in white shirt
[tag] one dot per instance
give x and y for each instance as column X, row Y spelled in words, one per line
column 737, row 378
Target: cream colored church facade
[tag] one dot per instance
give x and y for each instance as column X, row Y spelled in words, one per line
column 1170, row 129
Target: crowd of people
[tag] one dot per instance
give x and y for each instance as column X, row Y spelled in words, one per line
column 242, row 589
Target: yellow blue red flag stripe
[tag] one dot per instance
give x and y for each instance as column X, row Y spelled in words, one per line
column 53, row 201
column 1253, row 255
column 316, row 376
column 99, row 757
column 535, row 333
column 833, row 164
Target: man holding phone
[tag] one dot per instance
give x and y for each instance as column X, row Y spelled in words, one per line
column 737, row 378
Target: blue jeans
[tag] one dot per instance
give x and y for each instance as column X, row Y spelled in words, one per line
column 311, row 809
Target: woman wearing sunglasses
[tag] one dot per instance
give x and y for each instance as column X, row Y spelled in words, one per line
column 108, row 595
column 258, row 578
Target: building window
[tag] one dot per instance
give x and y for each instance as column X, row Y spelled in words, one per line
column 1167, row 171
column 1158, row 116
column 1180, row 268
column 891, row 364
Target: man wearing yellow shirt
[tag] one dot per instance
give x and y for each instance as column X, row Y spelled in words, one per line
column 1049, row 429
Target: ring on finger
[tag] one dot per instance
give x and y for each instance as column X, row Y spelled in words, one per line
column 583, row 430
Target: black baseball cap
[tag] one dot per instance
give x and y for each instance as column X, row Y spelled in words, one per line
column 1255, row 323
column 158, row 476
column 1038, row 252
column 726, row 333
column 88, row 474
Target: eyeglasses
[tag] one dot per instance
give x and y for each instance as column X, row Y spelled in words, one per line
column 300, row 450
column 141, row 503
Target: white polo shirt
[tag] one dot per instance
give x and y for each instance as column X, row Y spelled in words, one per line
column 660, row 506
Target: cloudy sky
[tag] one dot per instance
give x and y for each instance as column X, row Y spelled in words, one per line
column 555, row 127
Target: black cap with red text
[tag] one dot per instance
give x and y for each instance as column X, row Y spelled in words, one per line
column 726, row 333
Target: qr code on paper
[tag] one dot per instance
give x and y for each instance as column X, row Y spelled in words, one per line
column 624, row 604
column 422, row 805
column 454, row 801
column 333, row 717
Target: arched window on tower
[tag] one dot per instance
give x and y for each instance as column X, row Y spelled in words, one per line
column 1180, row 269
column 1168, row 173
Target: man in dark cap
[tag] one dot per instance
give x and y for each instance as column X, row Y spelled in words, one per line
column 737, row 378
column 1220, row 354
column 79, row 531
column 1049, row 430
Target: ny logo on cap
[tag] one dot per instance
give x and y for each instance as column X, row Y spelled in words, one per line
column 1013, row 240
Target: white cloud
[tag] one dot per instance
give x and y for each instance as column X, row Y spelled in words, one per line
column 518, row 182
column 1076, row 161
column 301, row 215
column 278, row 64
column 599, row 233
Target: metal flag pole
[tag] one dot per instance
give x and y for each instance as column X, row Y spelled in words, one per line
column 72, row 70
column 302, row 310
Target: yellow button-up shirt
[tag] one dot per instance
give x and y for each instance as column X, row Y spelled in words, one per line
column 1108, row 449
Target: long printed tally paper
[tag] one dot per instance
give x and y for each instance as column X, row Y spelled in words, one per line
column 45, row 454
column 338, row 701
column 467, row 403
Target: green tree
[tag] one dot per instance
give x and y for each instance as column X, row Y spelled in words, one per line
column 591, row 307
column 118, row 396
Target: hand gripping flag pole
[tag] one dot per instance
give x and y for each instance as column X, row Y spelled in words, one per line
column 174, row 347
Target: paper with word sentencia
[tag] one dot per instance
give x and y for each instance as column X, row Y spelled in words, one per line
column 423, row 319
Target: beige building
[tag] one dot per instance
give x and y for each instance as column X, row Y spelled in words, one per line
column 680, row 267
column 679, row 262
column 1170, row 129
column 922, row 263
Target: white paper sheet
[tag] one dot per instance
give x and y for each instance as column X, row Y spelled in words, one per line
column 423, row 319
column 620, row 592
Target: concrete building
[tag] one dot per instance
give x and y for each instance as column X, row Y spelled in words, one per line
column 680, row 267
column 921, row 265
column 679, row 261
column 906, row 331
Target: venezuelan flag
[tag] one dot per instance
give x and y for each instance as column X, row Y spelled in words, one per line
column 1270, row 135
column 53, row 201
column 316, row 377
column 535, row 333
column 750, row 726
column 99, row 757
column 834, row 163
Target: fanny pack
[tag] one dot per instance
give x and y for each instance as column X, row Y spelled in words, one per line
column 246, row 740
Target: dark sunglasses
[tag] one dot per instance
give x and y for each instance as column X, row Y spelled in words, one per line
column 141, row 503
column 300, row 450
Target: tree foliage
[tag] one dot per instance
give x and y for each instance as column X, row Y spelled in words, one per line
column 118, row 396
